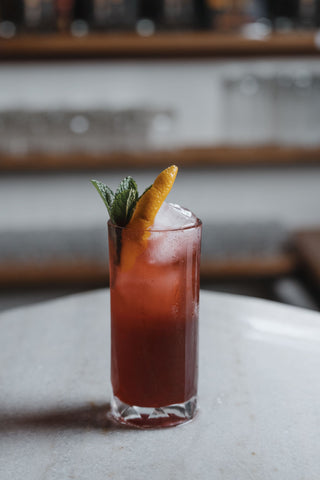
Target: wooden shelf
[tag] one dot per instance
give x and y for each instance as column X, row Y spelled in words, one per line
column 275, row 266
column 51, row 273
column 94, row 274
column 131, row 45
column 189, row 157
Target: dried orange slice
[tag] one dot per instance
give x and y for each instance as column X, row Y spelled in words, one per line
column 150, row 203
column 136, row 234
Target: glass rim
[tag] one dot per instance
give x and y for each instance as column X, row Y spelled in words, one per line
column 196, row 224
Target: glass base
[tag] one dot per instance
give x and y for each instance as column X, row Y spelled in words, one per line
column 150, row 417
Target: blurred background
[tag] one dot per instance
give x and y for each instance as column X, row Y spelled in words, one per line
column 229, row 90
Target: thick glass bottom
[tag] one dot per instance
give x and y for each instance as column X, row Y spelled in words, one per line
column 146, row 417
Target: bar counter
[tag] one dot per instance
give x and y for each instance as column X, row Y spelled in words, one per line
column 258, row 395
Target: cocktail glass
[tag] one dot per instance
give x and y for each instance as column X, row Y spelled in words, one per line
column 154, row 325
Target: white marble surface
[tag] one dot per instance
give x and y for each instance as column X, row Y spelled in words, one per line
column 259, row 396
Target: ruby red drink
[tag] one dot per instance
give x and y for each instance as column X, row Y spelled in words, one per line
column 154, row 323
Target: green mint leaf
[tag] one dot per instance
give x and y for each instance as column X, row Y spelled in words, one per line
column 123, row 206
column 132, row 202
column 105, row 193
column 127, row 184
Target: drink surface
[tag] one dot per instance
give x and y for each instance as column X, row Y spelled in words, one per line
column 154, row 313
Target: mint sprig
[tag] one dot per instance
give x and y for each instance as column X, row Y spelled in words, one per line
column 122, row 203
column 105, row 193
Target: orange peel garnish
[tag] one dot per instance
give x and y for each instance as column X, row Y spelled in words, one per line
column 136, row 234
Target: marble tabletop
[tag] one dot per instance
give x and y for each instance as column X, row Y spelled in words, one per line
column 259, row 396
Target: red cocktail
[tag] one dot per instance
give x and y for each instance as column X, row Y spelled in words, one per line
column 154, row 321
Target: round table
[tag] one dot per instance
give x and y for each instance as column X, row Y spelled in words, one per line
column 259, row 394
